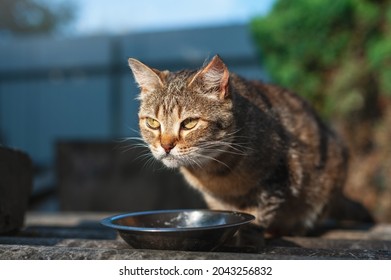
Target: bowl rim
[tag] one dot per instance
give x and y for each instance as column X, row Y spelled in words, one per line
column 109, row 221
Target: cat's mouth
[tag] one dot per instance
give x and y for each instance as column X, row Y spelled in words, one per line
column 197, row 159
column 170, row 161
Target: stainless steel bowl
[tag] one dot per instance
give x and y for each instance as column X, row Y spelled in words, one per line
column 193, row 230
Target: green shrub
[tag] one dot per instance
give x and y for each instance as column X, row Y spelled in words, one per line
column 337, row 54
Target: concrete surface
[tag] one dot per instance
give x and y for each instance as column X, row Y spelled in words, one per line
column 80, row 236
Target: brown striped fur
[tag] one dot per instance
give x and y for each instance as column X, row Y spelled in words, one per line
column 256, row 147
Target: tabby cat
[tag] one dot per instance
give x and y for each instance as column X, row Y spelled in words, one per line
column 245, row 145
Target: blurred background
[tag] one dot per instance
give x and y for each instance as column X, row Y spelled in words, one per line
column 67, row 97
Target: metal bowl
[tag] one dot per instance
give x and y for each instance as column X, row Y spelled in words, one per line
column 193, row 230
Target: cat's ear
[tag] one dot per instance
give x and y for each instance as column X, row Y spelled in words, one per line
column 147, row 78
column 215, row 76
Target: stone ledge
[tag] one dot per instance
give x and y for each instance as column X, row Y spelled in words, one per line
column 24, row 252
column 76, row 236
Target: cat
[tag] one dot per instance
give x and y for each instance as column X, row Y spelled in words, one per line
column 245, row 145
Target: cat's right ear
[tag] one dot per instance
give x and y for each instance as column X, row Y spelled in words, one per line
column 147, row 78
column 215, row 75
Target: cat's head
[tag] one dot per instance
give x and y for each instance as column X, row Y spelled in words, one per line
column 185, row 117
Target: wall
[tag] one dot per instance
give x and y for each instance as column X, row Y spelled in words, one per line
column 81, row 88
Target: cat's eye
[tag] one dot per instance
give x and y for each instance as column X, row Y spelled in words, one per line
column 189, row 123
column 152, row 123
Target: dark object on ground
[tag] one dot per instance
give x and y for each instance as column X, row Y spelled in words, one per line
column 15, row 188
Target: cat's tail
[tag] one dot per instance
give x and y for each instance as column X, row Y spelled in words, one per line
column 343, row 208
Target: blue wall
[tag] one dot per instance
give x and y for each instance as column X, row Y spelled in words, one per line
column 81, row 88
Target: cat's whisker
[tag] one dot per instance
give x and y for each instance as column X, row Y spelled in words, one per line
column 128, row 148
column 149, row 163
column 213, row 159
column 229, row 148
column 234, row 139
column 194, row 162
column 234, row 135
column 223, row 151
column 131, row 144
column 133, row 138
column 144, row 156
column 187, row 161
column 236, row 147
column 136, row 144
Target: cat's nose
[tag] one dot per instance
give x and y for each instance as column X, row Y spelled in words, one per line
column 168, row 147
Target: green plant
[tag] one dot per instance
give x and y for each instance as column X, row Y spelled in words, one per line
column 337, row 54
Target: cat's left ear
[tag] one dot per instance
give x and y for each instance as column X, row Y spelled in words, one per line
column 214, row 76
column 147, row 78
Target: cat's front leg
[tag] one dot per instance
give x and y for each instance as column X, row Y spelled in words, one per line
column 216, row 204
